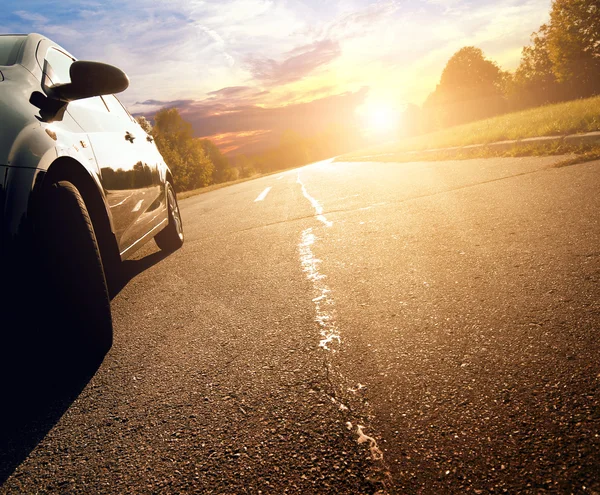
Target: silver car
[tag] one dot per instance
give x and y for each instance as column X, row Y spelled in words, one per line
column 82, row 185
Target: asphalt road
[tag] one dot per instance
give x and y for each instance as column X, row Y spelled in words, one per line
column 450, row 309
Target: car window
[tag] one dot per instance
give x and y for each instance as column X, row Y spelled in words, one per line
column 56, row 66
column 115, row 107
column 9, row 48
column 94, row 103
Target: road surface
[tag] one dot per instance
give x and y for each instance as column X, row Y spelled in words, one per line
column 444, row 314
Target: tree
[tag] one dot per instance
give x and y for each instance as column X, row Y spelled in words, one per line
column 534, row 81
column 469, row 70
column 169, row 123
column 574, row 45
column 471, row 88
column 185, row 155
column 221, row 172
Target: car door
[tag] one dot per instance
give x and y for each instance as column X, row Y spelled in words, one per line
column 119, row 147
column 132, row 186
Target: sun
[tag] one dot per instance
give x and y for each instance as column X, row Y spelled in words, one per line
column 379, row 118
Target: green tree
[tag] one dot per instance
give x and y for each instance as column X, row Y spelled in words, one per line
column 468, row 70
column 574, row 45
column 183, row 153
column 221, row 172
column 169, row 123
column 471, row 88
column 534, row 81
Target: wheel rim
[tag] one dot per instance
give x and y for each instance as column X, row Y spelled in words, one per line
column 174, row 209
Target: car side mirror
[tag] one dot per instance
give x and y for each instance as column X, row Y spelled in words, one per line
column 89, row 79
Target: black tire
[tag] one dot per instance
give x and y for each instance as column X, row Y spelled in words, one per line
column 171, row 237
column 80, row 301
column 112, row 264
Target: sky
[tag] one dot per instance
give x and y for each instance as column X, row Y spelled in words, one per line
column 243, row 71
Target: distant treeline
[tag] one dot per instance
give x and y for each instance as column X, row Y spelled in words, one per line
column 197, row 163
column 561, row 63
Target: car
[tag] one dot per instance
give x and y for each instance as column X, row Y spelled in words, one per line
column 82, row 187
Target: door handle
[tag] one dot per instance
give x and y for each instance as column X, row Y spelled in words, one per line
column 129, row 137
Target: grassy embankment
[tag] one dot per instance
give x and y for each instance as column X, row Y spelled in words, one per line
column 574, row 117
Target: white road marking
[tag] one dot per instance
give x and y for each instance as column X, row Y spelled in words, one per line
column 324, row 304
column 263, row 195
column 281, row 177
column 376, row 454
column 325, row 313
column 315, row 204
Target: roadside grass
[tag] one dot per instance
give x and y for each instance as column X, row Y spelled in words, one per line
column 575, row 153
column 573, row 117
column 588, row 156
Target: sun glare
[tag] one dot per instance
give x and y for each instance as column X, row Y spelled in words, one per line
column 380, row 118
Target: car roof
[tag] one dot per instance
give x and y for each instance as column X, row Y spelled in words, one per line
column 28, row 54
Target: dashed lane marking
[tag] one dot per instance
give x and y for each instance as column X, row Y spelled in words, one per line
column 262, row 195
column 323, row 301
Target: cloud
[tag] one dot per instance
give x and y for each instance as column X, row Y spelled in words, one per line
column 219, row 42
column 242, row 142
column 306, row 118
column 298, row 63
column 151, row 106
column 211, row 119
column 237, row 92
column 170, row 50
column 360, row 21
column 31, row 17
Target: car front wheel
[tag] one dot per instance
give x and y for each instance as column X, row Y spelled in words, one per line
column 81, row 306
column 171, row 237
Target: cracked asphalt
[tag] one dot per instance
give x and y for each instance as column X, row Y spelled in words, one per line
column 466, row 305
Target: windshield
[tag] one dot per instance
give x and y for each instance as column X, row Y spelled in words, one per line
column 9, row 48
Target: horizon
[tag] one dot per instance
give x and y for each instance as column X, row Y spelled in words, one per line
column 242, row 72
